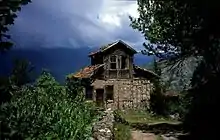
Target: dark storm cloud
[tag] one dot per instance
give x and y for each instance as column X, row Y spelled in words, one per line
column 67, row 23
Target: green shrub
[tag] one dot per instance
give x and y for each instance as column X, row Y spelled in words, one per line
column 75, row 85
column 122, row 132
column 179, row 106
column 118, row 117
column 46, row 111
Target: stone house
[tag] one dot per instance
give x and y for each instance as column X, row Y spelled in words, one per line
column 116, row 81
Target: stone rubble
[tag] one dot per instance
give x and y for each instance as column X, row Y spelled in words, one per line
column 103, row 129
column 170, row 136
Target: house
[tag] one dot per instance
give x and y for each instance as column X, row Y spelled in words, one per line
column 116, row 81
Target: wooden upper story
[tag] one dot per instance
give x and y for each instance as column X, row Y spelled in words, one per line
column 117, row 58
column 114, row 61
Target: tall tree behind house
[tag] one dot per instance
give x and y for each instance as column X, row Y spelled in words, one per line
column 181, row 29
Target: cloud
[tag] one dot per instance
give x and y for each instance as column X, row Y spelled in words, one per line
column 74, row 23
column 114, row 11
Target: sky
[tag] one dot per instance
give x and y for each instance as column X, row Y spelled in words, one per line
column 76, row 23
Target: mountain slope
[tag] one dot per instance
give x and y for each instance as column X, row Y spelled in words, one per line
column 178, row 78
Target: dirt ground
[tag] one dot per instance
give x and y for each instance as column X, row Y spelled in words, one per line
column 138, row 135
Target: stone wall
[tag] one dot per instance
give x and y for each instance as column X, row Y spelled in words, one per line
column 127, row 93
column 103, row 129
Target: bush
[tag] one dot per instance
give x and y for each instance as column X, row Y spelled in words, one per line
column 20, row 75
column 179, row 106
column 118, row 118
column 122, row 132
column 46, row 111
column 75, row 85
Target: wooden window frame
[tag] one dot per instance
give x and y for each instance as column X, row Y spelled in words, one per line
column 125, row 62
column 118, row 62
column 115, row 62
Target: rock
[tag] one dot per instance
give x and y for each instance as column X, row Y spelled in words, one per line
column 168, row 137
column 175, row 116
column 103, row 129
column 138, row 135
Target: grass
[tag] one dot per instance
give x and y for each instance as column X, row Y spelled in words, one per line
column 135, row 116
column 158, row 137
column 122, row 132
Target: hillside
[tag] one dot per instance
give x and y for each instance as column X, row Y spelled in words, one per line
column 178, row 78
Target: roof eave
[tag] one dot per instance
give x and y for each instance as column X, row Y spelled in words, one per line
column 146, row 70
column 128, row 46
column 103, row 50
column 90, row 74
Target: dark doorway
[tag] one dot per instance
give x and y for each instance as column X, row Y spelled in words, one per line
column 89, row 91
column 109, row 92
column 100, row 97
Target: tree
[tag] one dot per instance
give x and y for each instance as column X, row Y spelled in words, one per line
column 8, row 12
column 157, row 100
column 21, row 72
column 19, row 76
column 178, row 29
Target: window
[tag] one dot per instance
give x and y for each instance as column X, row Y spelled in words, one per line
column 113, row 62
column 123, row 62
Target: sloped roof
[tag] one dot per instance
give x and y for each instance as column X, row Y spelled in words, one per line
column 108, row 46
column 146, row 70
column 87, row 71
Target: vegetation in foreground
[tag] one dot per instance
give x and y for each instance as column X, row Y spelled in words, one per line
column 122, row 131
column 158, row 137
column 46, row 110
column 139, row 116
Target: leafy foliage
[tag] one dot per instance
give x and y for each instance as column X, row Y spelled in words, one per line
column 174, row 81
column 180, row 29
column 46, row 111
column 118, row 118
column 8, row 10
column 21, row 72
column 157, row 100
column 20, row 75
column 122, row 132
column 178, row 81
column 75, row 85
column 204, row 104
